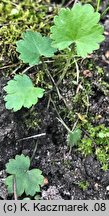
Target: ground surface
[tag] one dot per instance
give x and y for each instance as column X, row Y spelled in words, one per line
column 64, row 171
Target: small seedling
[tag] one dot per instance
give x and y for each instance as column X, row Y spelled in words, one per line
column 74, row 137
column 77, row 27
column 28, row 181
column 21, row 93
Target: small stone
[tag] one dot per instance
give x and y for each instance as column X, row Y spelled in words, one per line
column 87, row 73
column 105, row 179
column 106, row 25
column 51, row 194
column 106, row 76
column 96, row 186
column 106, row 33
column 107, row 188
column 107, row 54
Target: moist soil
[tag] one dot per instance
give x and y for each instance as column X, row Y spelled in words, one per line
column 64, row 171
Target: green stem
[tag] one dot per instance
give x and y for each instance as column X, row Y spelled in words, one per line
column 98, row 5
column 45, row 68
column 63, row 2
column 68, row 63
column 105, row 11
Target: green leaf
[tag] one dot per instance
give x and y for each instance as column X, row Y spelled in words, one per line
column 74, row 137
column 26, row 180
column 33, row 46
column 21, row 93
column 33, row 180
column 21, row 163
column 78, row 25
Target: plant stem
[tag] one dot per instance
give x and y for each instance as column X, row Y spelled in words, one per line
column 69, row 3
column 77, row 70
column 63, row 123
column 98, row 5
column 68, row 63
column 60, row 119
column 14, row 188
column 8, row 66
column 57, row 89
column 45, row 68
column 63, row 2
column 34, row 151
column 105, row 11
column 28, row 68
column 55, row 84
column 32, row 137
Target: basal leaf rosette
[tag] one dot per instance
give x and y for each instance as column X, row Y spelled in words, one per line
column 32, row 46
column 79, row 25
column 21, row 93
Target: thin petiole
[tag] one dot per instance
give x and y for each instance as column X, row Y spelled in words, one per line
column 77, row 70
column 104, row 12
column 63, row 123
column 68, row 64
column 98, row 5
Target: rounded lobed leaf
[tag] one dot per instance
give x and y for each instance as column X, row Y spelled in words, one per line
column 33, row 46
column 18, row 165
column 28, row 181
column 33, row 181
column 78, row 25
column 74, row 137
column 21, row 93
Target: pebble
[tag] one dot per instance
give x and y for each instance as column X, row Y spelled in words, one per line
column 107, row 54
column 106, row 25
column 107, row 188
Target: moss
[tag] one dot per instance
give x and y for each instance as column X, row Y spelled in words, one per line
column 83, row 185
column 18, row 16
column 31, row 119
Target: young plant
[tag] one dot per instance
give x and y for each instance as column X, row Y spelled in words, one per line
column 77, row 27
column 21, row 178
column 21, row 93
column 73, row 137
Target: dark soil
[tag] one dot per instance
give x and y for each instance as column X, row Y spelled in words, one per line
column 64, row 171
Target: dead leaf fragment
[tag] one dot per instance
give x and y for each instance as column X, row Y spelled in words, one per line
column 87, row 73
column 82, row 117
